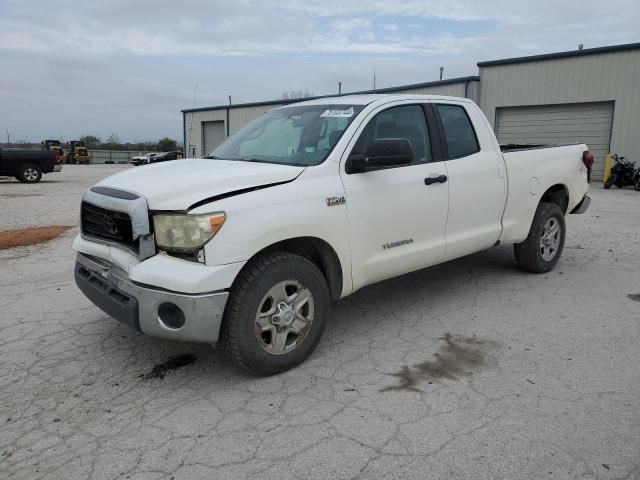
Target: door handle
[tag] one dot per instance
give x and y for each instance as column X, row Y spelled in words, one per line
column 438, row 179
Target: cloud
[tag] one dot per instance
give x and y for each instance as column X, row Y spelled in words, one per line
column 96, row 67
column 351, row 24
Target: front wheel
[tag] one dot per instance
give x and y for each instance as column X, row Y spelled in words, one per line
column 611, row 179
column 541, row 250
column 276, row 313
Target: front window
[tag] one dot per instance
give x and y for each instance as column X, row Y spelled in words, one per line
column 407, row 121
column 297, row 135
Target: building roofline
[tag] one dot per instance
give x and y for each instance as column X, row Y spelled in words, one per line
column 449, row 81
column 553, row 56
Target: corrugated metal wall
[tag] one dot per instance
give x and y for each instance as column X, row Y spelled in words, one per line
column 593, row 78
column 238, row 116
column 193, row 128
column 588, row 123
column 452, row 89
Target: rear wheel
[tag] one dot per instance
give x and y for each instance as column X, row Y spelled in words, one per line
column 276, row 314
column 540, row 252
column 29, row 173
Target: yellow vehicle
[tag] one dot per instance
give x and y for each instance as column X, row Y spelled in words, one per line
column 54, row 145
column 78, row 153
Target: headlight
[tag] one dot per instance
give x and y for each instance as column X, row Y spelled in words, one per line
column 185, row 233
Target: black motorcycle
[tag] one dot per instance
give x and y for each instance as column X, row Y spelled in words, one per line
column 623, row 173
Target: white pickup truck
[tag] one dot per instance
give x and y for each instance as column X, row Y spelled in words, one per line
column 309, row 203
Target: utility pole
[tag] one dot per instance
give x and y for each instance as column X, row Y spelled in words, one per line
column 188, row 145
column 441, row 70
column 339, row 88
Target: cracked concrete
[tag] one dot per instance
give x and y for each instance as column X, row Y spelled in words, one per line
column 558, row 396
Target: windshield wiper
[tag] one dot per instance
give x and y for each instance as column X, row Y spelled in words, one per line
column 213, row 157
column 256, row 160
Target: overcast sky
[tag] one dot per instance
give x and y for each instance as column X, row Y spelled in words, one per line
column 73, row 67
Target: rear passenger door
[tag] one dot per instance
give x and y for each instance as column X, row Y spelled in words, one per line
column 477, row 179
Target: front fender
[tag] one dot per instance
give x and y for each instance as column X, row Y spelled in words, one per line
column 258, row 219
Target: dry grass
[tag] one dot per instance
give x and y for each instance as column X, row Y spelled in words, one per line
column 30, row 236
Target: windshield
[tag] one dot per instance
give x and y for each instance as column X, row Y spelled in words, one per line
column 302, row 135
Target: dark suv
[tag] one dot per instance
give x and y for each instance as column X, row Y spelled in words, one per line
column 165, row 156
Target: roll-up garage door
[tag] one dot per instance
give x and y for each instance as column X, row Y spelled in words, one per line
column 588, row 123
column 212, row 135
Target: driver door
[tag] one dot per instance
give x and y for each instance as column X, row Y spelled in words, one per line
column 397, row 216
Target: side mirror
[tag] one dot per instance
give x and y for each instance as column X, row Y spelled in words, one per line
column 381, row 153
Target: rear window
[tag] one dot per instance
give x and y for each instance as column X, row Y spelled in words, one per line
column 458, row 131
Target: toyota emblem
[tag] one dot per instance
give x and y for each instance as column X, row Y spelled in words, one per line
column 110, row 225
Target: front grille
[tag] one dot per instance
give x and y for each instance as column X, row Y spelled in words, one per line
column 109, row 225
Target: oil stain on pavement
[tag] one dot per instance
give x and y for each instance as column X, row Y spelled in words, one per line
column 174, row 363
column 458, row 355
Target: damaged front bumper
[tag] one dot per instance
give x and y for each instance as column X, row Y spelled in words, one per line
column 153, row 311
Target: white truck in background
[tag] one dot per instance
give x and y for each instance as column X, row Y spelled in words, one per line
column 309, row 203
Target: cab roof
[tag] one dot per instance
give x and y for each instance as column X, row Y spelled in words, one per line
column 369, row 99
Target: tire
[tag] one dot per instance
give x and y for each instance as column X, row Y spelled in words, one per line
column 636, row 186
column 248, row 332
column 610, row 181
column 538, row 254
column 29, row 173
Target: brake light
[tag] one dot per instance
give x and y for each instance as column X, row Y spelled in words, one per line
column 57, row 159
column 587, row 159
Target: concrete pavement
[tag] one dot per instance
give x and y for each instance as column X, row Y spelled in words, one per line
column 473, row 369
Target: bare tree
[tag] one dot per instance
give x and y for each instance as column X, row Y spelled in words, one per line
column 113, row 139
column 296, row 94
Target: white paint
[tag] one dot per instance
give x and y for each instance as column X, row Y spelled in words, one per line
column 487, row 198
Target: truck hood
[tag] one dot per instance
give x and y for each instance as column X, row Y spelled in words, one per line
column 179, row 184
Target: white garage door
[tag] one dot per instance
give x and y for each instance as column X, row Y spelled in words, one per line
column 212, row 135
column 588, row 123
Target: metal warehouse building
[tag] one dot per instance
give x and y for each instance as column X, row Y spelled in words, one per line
column 590, row 96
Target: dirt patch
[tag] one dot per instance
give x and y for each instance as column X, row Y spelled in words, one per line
column 458, row 355
column 634, row 296
column 30, row 236
column 174, row 363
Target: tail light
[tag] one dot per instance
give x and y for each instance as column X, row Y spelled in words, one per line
column 587, row 159
column 57, row 159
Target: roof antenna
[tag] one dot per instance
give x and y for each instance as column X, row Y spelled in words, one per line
column 339, row 88
column 441, row 70
column 374, row 80
column 580, row 46
column 229, row 99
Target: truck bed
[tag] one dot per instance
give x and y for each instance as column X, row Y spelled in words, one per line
column 531, row 170
column 516, row 147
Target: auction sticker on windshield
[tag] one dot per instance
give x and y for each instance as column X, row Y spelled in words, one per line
column 337, row 113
